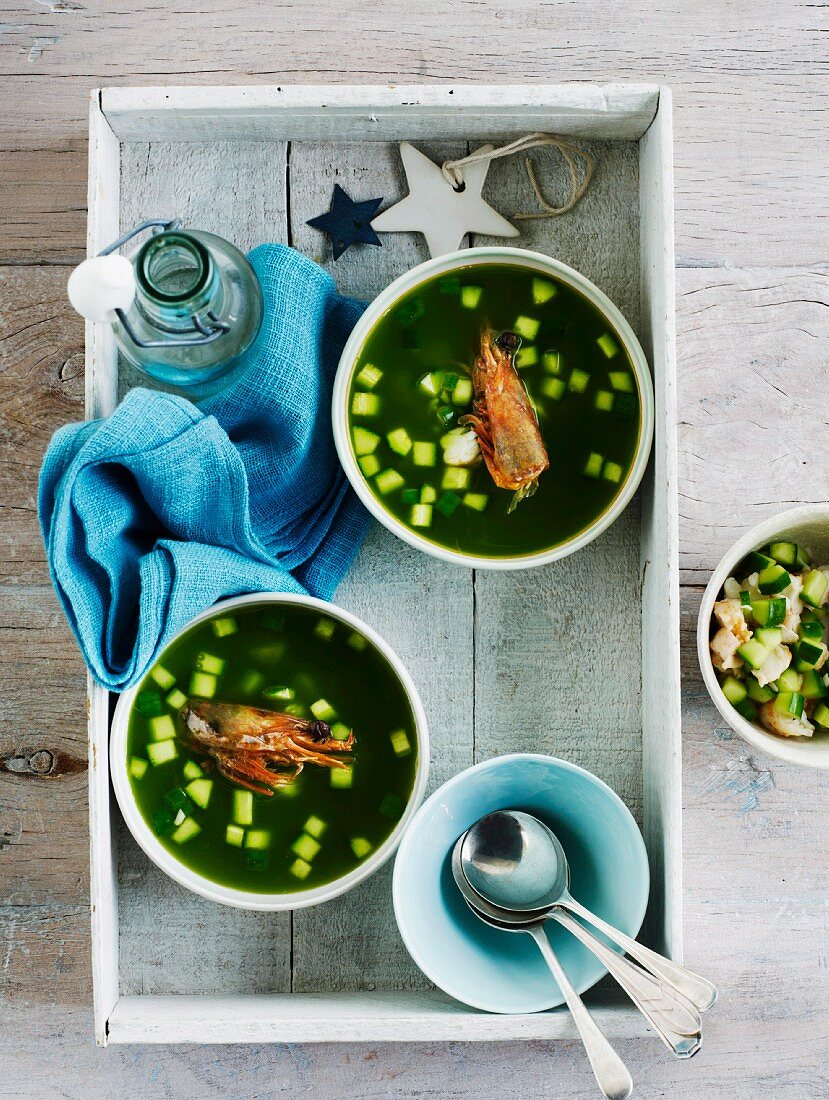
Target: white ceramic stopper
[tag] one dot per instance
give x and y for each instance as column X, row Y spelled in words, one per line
column 100, row 285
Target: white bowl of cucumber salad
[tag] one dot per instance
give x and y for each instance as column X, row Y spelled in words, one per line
column 762, row 636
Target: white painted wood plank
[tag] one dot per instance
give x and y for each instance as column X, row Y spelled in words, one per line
column 558, row 652
column 101, row 371
column 421, row 606
column 344, row 1018
column 661, row 717
column 377, row 113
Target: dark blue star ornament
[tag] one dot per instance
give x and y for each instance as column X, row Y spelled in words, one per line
column 348, row 222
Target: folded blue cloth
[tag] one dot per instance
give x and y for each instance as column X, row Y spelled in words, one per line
column 153, row 514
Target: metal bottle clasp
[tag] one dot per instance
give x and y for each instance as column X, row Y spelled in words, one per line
column 207, row 332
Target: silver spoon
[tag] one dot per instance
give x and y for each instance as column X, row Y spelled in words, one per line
column 610, row 1071
column 513, row 860
column 673, row 1018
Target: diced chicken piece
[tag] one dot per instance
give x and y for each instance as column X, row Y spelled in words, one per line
column 794, row 609
column 825, row 570
column 786, row 725
column 822, row 660
column 461, row 449
column 729, row 614
column 724, row 646
column 777, row 661
column 789, row 635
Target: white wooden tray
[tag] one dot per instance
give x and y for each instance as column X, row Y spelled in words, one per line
column 499, row 658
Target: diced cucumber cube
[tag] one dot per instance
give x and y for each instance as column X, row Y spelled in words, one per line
column 773, row 579
column 450, row 380
column 138, row 766
column 325, row 628
column 753, row 653
column 554, row 388
column 456, row 477
column 425, row 454
column 804, row 558
column 428, row 494
column 809, row 654
column 192, row 770
column 225, row 626
column 400, row 441
column 207, row 662
column 235, row 835
column 421, row 515
column 305, row 847
column 733, row 689
column 526, row 356
column 341, row 778
column 769, row 610
column 470, row 296
column 300, row 869
column 621, row 381
column 593, row 466
column 410, row 310
column 161, row 727
column 186, row 831
column 769, row 636
column 200, row 790
column 369, row 464
column 543, row 291
column 608, row 345
column 400, row 743
column 450, row 284
column 476, row 501
column 357, row 641
column 365, row 441
column 759, row 694
column 612, row 471
column 315, row 826
column 462, row 393
column 526, row 327
column 163, row 677
column 784, row 553
column 446, row 415
column 288, row 790
column 365, row 404
column 369, row 376
column 178, row 799
column 745, row 603
column 161, row 752
column 815, row 584
column 755, row 561
column 203, row 685
column 432, row 383
column 552, row 362
column 448, row 503
column 388, row 481
column 297, row 710
column 579, row 380
column 410, row 496
column 279, row 691
column 340, row 731
column 360, row 846
column 243, row 807
column 789, row 703
column 323, row 711
column 747, row 709
column 176, row 699
column 821, row 715
column 789, row 680
column 604, row 400
column 258, row 839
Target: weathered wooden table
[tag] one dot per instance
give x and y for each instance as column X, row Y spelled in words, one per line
column 752, row 168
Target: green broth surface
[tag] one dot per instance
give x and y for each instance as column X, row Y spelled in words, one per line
column 430, row 330
column 317, row 657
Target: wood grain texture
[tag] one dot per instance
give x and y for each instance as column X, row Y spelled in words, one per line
column 746, row 193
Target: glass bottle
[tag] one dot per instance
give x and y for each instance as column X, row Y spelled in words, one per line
column 184, row 309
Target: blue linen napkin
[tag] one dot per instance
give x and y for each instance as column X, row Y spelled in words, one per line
column 156, row 512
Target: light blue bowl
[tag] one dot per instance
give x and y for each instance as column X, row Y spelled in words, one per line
column 501, row 971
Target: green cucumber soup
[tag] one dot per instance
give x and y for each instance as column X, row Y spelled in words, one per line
column 272, row 748
column 413, row 387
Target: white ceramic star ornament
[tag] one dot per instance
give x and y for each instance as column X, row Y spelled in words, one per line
column 434, row 208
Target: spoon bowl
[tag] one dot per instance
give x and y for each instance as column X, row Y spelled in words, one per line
column 512, row 860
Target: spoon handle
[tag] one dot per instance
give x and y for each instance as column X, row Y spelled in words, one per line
column 674, row 1018
column 698, row 990
column 610, row 1071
